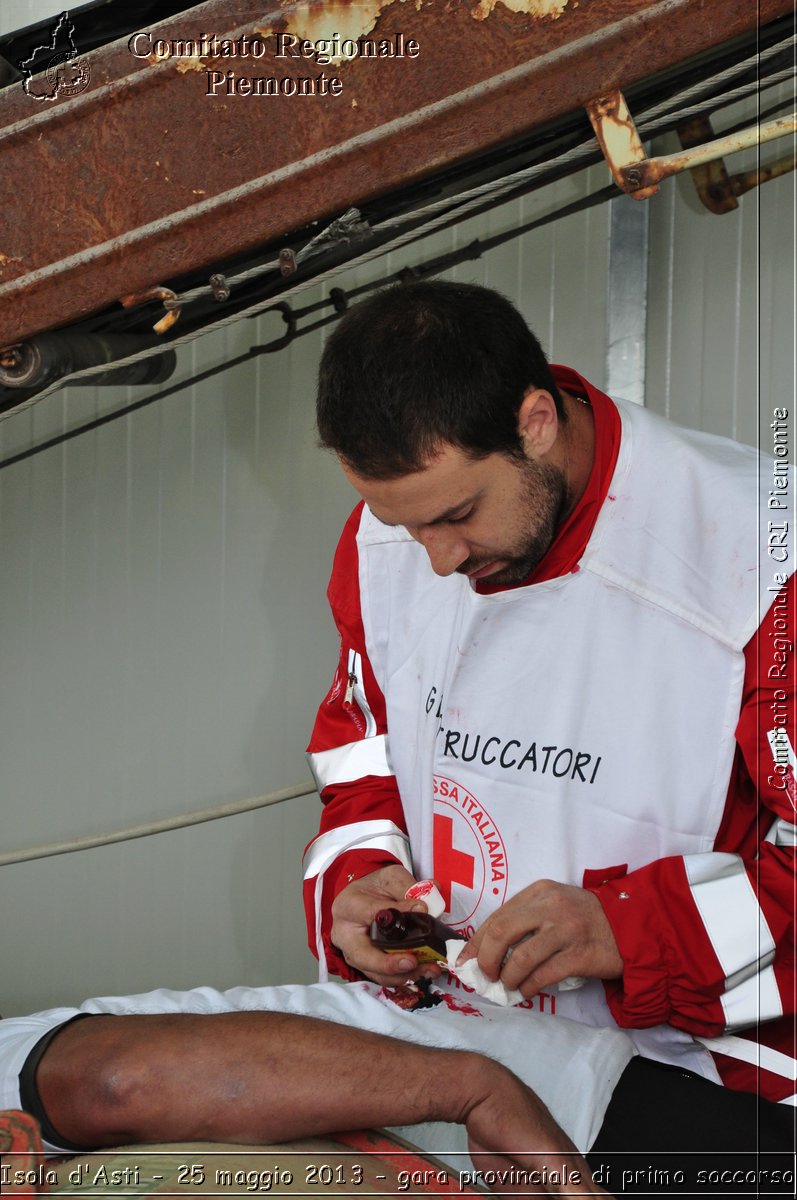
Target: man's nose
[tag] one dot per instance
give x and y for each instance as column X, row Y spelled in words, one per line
column 446, row 548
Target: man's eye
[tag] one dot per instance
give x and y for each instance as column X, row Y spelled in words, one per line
column 461, row 517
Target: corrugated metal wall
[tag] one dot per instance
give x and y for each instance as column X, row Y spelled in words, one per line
column 165, row 642
column 721, row 298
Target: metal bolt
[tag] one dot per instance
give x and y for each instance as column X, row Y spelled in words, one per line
column 287, row 261
column 219, row 287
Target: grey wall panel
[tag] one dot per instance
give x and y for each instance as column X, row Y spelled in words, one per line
column 17, row 14
column 721, row 302
column 165, row 641
column 205, row 905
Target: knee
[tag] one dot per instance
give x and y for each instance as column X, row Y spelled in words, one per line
column 92, row 1081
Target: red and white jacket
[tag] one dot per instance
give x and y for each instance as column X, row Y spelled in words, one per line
column 623, row 720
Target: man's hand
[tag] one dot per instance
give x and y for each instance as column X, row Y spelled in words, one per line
column 354, row 909
column 553, row 931
column 515, row 1141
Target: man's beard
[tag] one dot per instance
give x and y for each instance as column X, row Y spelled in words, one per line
column 544, row 501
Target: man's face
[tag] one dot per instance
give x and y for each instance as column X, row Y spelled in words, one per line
column 491, row 519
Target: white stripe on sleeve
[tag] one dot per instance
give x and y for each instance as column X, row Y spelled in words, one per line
column 755, row 999
column 739, row 934
column 344, row 764
column 782, row 833
column 361, row 835
column 758, row 1056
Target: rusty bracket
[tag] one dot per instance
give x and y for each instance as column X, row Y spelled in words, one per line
column 715, row 187
column 745, row 180
column 639, row 176
column 620, row 142
column 171, row 303
column 711, row 180
column 652, row 170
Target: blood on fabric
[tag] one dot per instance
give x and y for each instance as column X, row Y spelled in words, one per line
column 458, row 1006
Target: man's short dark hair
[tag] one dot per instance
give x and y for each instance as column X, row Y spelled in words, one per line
column 418, row 365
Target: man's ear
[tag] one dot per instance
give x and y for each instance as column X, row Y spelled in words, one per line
column 538, row 422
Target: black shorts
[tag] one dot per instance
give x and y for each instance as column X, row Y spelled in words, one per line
column 670, row 1132
column 29, row 1092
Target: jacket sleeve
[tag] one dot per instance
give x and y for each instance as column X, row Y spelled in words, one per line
column 708, row 939
column 362, row 825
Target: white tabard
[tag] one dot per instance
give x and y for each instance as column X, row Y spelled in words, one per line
column 586, row 723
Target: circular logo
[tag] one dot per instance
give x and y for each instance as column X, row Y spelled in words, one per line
column 67, row 75
column 470, row 865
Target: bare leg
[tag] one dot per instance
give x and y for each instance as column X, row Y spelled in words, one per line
column 266, row 1077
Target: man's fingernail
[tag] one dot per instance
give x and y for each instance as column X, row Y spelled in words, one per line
column 406, row 964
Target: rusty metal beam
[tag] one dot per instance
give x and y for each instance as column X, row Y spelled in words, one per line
column 144, row 176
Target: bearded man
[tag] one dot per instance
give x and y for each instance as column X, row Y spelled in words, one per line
column 558, row 693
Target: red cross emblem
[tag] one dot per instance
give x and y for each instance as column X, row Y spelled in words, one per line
column 450, row 865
